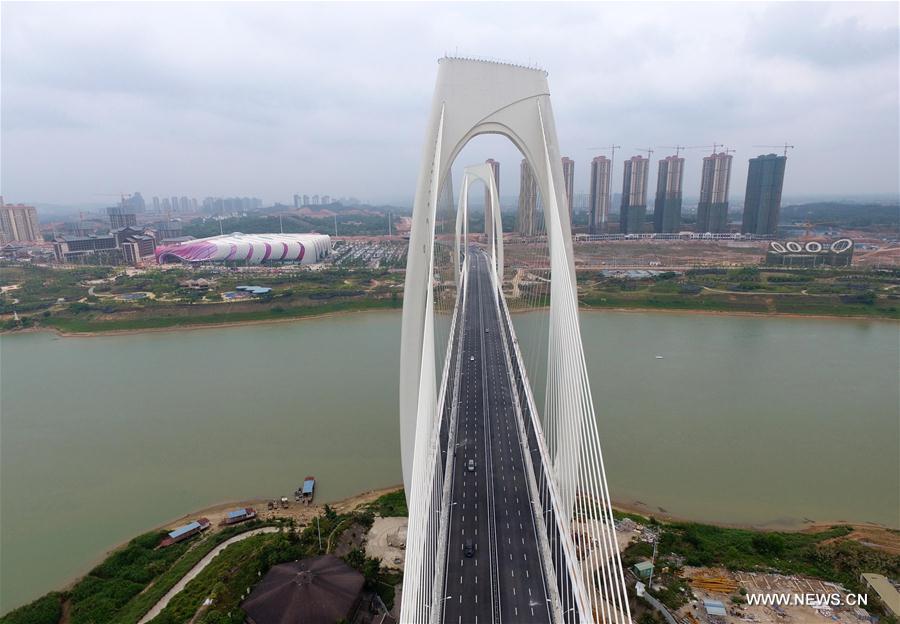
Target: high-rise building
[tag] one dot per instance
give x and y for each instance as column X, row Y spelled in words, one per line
column 526, row 218
column 137, row 203
column 601, row 167
column 569, row 180
column 762, row 201
column 326, row 199
column 315, row 200
column 634, row 195
column 488, row 215
column 18, row 222
column 155, row 204
column 306, row 200
column 296, row 200
column 174, row 203
column 121, row 216
column 667, row 209
column 185, row 204
column 712, row 209
column 166, row 205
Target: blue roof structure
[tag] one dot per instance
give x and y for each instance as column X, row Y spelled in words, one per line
column 308, row 486
column 715, row 607
column 184, row 529
column 237, row 513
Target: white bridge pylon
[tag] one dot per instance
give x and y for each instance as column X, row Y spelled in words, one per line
column 483, row 173
column 475, row 97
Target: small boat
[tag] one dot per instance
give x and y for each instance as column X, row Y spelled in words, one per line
column 309, row 489
column 659, row 357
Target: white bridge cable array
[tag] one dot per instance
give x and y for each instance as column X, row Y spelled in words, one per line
column 536, row 299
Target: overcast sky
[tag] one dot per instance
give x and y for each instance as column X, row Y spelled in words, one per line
column 272, row 99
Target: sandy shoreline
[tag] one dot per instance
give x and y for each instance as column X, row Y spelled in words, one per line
column 296, row 319
column 301, row 512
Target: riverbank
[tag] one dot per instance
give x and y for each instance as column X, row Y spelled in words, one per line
column 71, row 332
column 707, row 539
column 877, row 536
column 104, row 327
column 114, row 328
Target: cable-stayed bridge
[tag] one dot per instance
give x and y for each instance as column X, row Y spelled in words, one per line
column 510, row 516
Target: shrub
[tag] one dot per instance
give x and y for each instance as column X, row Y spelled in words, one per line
column 45, row 610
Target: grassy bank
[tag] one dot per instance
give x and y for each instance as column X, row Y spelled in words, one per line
column 753, row 304
column 126, row 584
column 92, row 324
column 839, row 293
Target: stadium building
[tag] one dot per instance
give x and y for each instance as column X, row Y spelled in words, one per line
column 249, row 249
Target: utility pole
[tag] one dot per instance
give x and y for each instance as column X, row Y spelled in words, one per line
column 319, row 529
column 281, row 223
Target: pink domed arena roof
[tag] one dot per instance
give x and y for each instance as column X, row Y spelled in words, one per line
column 249, row 249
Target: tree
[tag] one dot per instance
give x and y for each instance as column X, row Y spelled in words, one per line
column 768, row 544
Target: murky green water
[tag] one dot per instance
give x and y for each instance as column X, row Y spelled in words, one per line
column 744, row 420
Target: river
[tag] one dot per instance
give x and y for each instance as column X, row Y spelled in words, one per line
column 748, row 420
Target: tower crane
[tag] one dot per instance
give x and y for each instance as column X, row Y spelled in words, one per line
column 677, row 148
column 714, row 147
column 785, row 147
column 611, row 148
column 649, row 151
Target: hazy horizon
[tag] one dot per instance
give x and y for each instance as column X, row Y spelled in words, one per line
column 269, row 100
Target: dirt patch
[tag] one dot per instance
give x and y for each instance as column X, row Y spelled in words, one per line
column 871, row 535
column 387, row 541
column 301, row 513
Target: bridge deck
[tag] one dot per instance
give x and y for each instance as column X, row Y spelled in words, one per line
column 504, row 579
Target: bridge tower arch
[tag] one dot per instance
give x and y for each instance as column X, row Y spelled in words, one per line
column 472, row 97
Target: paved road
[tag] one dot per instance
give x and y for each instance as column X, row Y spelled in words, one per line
column 197, row 569
column 504, row 580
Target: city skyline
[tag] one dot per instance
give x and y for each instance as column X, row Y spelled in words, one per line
column 269, row 123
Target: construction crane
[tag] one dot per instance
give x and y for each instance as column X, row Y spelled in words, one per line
column 785, row 147
column 121, row 195
column 714, row 147
column 677, row 148
column 649, row 151
column 611, row 148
